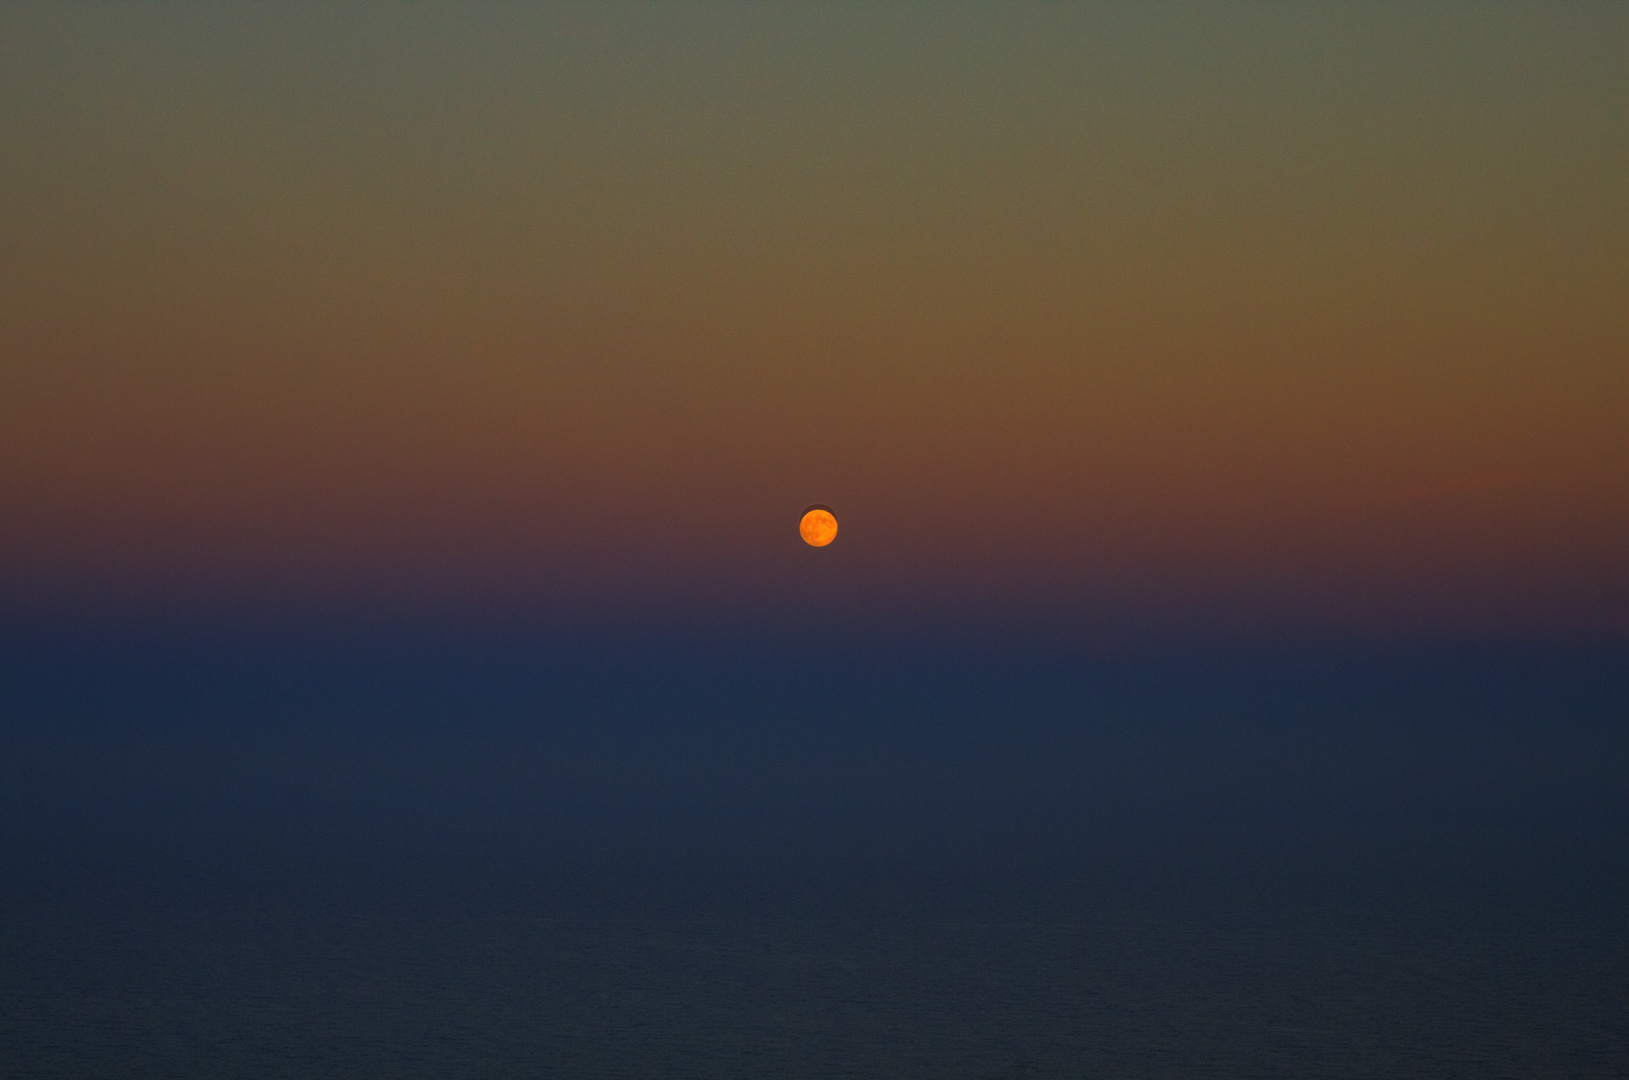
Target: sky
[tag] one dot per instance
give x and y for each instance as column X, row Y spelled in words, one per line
column 1170, row 318
column 406, row 414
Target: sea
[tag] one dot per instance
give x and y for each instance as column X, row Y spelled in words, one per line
column 1103, row 879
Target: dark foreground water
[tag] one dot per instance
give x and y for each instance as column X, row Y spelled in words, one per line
column 444, row 983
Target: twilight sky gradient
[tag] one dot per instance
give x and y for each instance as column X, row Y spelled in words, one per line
column 1186, row 316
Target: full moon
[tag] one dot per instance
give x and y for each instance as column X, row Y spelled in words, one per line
column 819, row 526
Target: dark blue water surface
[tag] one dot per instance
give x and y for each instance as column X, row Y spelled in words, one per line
column 518, row 854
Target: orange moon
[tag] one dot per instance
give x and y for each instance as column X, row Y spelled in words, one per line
column 818, row 527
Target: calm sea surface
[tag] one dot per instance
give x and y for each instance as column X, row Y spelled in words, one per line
column 624, row 864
